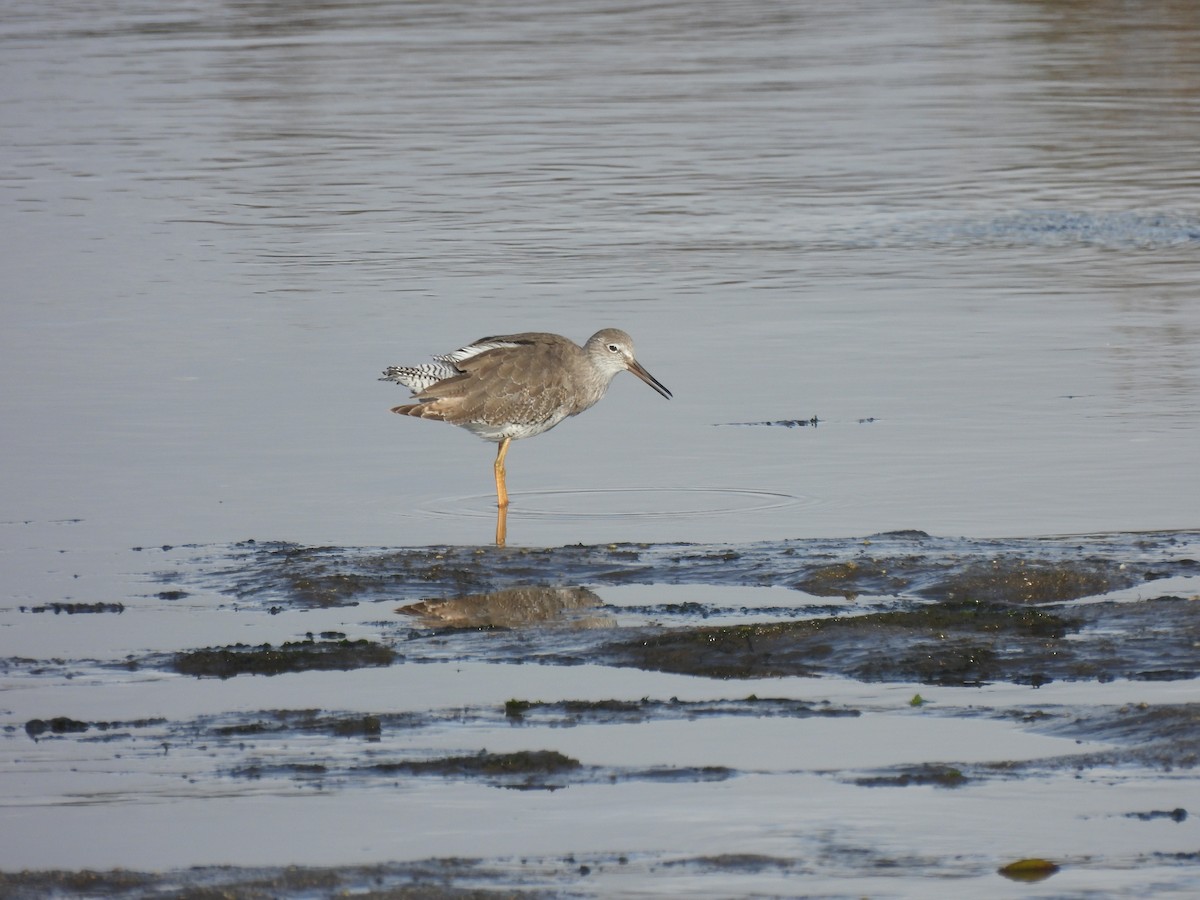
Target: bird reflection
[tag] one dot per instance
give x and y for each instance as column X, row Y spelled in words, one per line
column 512, row 608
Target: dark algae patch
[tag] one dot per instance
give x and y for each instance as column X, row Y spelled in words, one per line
column 64, row 725
column 298, row 656
column 811, row 421
column 434, row 879
column 929, row 774
column 75, row 609
column 950, row 643
column 908, row 563
column 308, row 721
column 1014, row 579
column 540, row 770
column 35, row 728
column 1003, row 579
column 566, row 713
column 943, row 643
column 1161, row 736
column 905, row 606
column 1179, row 814
column 524, row 764
column 521, row 770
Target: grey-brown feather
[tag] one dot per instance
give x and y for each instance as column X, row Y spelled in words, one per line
column 513, row 386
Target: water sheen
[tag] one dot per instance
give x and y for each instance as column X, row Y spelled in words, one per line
column 974, row 225
column 964, row 237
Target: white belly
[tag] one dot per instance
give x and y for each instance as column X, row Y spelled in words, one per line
column 512, row 430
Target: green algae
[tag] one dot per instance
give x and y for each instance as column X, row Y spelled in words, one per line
column 296, row 656
column 936, row 643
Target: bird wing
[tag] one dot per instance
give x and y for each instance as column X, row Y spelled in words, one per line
column 418, row 378
column 512, row 379
column 483, row 345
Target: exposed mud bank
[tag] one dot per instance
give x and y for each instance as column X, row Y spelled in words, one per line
column 911, row 564
column 846, row 681
column 900, row 607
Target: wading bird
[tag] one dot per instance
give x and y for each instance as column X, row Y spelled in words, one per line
column 515, row 386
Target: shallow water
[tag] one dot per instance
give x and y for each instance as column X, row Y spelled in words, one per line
column 973, row 227
column 962, row 237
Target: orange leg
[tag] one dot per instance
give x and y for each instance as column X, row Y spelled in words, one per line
column 501, row 495
column 501, row 525
column 501, row 490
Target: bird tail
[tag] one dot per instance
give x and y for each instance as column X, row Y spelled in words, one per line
column 417, row 378
column 420, row 411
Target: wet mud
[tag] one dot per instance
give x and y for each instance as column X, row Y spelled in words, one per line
column 905, row 606
column 72, row 609
column 902, row 608
column 911, row 562
column 297, row 656
column 948, row 643
column 425, row 881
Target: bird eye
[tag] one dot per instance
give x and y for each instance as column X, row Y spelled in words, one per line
column 613, row 348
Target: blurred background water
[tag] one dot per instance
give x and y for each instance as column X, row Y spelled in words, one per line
column 964, row 236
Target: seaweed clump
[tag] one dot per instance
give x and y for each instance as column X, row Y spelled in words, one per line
column 296, row 656
column 954, row 643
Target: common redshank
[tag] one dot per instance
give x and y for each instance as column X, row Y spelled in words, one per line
column 515, row 386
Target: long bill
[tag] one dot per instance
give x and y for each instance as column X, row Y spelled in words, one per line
column 636, row 368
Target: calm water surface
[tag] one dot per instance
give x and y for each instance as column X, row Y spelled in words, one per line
column 975, row 224
column 964, row 236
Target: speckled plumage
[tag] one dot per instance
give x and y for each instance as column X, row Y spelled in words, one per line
column 518, row 385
